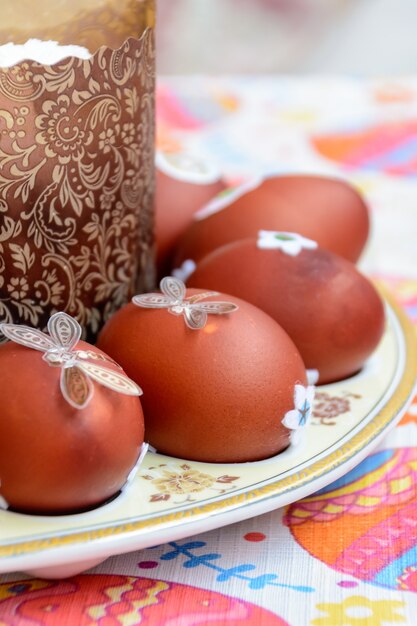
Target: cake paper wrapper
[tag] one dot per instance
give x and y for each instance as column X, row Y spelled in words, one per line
column 76, row 184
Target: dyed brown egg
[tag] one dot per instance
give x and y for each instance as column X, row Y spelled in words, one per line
column 217, row 393
column 327, row 210
column 333, row 313
column 55, row 458
column 183, row 186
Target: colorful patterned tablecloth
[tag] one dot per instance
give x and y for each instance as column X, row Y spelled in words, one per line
column 346, row 556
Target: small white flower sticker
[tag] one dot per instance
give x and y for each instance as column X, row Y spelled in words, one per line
column 143, row 452
column 313, row 376
column 303, row 402
column 227, row 197
column 184, row 272
column 3, row 503
column 289, row 243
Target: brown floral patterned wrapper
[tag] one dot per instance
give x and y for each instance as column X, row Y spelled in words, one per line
column 76, row 184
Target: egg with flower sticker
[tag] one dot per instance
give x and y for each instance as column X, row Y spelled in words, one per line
column 219, row 376
column 330, row 310
column 71, row 427
column 327, row 210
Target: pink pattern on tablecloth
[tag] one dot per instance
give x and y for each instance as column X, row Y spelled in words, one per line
column 380, row 545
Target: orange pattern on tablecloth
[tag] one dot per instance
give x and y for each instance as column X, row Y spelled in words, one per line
column 365, row 523
column 389, row 147
column 112, row 600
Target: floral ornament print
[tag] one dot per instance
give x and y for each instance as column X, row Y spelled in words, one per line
column 189, row 481
column 194, row 557
column 303, row 403
column 76, row 185
column 192, row 309
column 348, row 612
column 327, row 407
column 183, row 481
column 289, row 243
column 77, row 371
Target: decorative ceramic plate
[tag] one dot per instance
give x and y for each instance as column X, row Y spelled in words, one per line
column 171, row 498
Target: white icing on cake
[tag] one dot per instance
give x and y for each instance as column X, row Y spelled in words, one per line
column 45, row 52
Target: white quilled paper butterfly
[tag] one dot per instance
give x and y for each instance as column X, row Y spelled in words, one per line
column 77, row 371
column 193, row 309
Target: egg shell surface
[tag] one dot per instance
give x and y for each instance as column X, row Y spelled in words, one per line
column 328, row 210
column 331, row 311
column 176, row 201
column 55, row 458
column 217, row 394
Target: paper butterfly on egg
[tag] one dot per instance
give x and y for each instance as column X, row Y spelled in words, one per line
column 193, row 309
column 77, row 371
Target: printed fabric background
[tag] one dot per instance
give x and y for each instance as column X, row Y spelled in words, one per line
column 347, row 555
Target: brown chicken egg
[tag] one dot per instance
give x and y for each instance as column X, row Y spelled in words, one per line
column 328, row 210
column 333, row 313
column 183, row 186
column 68, row 438
column 219, row 376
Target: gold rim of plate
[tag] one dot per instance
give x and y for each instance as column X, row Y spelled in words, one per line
column 381, row 421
